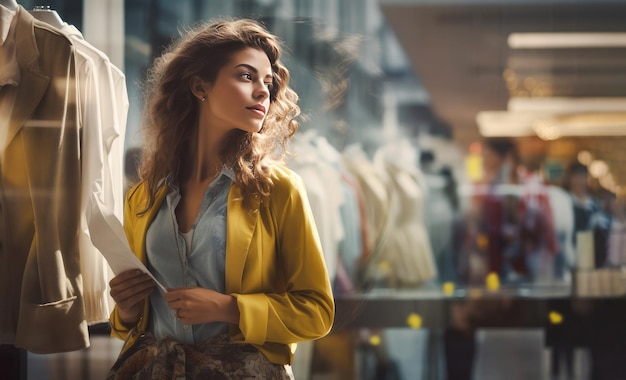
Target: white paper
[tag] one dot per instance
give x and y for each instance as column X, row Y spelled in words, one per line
column 107, row 234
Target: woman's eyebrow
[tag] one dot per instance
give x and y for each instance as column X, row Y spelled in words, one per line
column 253, row 69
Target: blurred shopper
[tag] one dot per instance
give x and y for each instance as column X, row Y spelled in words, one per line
column 616, row 255
column 588, row 212
column 493, row 215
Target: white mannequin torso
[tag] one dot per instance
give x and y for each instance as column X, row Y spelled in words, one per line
column 9, row 4
column 48, row 16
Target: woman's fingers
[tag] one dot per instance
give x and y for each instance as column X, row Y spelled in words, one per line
column 131, row 287
column 125, row 276
column 131, row 297
column 199, row 305
column 129, row 279
column 128, row 290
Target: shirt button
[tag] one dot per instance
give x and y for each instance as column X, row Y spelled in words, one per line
column 186, row 327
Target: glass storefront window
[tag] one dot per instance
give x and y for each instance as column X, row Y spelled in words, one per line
column 474, row 208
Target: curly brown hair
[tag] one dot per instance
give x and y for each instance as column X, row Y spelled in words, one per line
column 171, row 111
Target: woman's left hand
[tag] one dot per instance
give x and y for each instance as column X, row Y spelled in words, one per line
column 198, row 305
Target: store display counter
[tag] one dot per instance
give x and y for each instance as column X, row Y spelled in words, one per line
column 578, row 320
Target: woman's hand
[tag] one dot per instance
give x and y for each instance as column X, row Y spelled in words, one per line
column 198, row 305
column 129, row 289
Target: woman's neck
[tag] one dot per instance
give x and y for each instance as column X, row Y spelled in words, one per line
column 205, row 160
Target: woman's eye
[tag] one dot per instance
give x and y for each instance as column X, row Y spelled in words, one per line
column 246, row 76
column 269, row 85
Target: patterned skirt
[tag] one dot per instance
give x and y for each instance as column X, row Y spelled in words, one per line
column 216, row 358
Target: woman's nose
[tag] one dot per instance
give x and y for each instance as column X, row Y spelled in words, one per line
column 262, row 91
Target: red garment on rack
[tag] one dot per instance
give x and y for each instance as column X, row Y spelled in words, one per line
column 537, row 234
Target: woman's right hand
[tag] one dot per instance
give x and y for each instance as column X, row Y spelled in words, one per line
column 128, row 290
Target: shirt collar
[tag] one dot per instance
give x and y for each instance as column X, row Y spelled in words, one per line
column 6, row 19
column 226, row 171
column 71, row 31
column 9, row 67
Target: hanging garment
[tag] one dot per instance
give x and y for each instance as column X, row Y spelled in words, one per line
column 323, row 187
column 563, row 215
column 376, row 200
column 490, row 233
column 111, row 95
column 538, row 244
column 103, row 104
column 438, row 213
column 41, row 303
column 617, row 243
column 351, row 249
column 590, row 216
column 401, row 254
column 407, row 246
column 350, row 244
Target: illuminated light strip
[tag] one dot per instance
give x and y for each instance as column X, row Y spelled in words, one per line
column 518, row 124
column 565, row 104
column 566, row 40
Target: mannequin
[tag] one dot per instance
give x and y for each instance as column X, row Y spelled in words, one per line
column 45, row 14
column 9, row 4
column 40, row 12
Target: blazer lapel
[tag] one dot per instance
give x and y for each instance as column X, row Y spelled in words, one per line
column 33, row 84
column 143, row 223
column 240, row 225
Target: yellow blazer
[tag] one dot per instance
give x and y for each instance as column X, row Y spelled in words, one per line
column 274, row 266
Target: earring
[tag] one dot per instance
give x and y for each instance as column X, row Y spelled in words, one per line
column 203, row 99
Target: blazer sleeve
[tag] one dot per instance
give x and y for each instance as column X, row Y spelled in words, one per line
column 119, row 329
column 305, row 309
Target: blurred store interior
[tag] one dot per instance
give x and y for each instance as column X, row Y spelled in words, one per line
column 481, row 233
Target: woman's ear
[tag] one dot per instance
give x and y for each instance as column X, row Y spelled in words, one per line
column 198, row 87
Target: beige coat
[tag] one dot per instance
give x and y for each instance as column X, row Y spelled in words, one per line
column 41, row 305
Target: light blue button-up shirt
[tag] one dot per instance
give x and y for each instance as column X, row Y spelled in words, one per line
column 176, row 264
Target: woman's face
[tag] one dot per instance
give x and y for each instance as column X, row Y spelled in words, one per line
column 240, row 96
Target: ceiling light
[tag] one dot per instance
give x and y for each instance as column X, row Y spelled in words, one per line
column 546, row 130
column 518, row 124
column 607, row 181
column 598, row 168
column 585, row 157
column 566, row 104
column 566, row 40
column 502, row 123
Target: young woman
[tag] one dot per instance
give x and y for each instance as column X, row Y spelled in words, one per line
column 218, row 219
